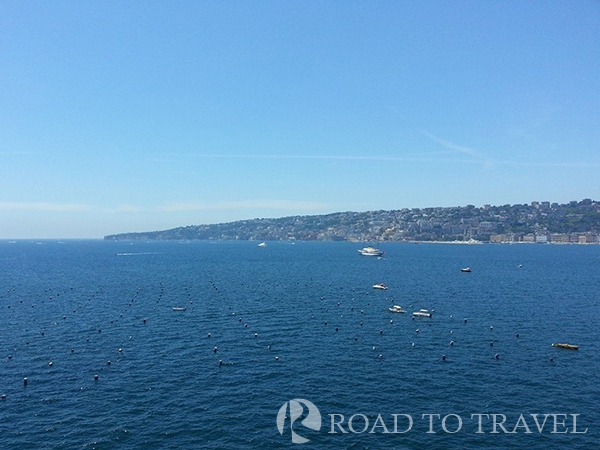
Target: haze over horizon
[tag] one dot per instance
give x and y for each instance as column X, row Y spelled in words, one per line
column 128, row 116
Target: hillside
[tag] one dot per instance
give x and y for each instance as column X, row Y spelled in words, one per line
column 538, row 221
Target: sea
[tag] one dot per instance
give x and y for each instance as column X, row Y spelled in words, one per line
column 290, row 346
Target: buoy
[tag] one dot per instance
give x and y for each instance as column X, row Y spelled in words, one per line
column 451, row 342
column 444, row 357
column 417, row 330
column 3, row 397
column 551, row 359
column 215, row 350
column 50, row 364
column 380, row 331
column 380, row 356
column 465, row 320
column 277, row 358
column 255, row 334
column 491, row 344
column 95, row 377
column 336, row 329
column 413, row 344
column 325, row 322
column 25, row 381
column 497, row 356
column 220, row 362
column 208, row 335
column 491, row 328
column 517, row 334
column 120, row 350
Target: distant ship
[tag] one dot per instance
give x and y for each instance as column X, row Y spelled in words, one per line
column 371, row 251
column 262, row 244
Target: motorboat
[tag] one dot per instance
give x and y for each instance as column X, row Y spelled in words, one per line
column 371, row 251
column 179, row 308
column 380, row 286
column 466, row 269
column 567, row 346
column 396, row 309
column 422, row 313
column 262, row 244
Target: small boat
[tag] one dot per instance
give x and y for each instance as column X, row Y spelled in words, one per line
column 396, row 309
column 179, row 308
column 262, row 244
column 371, row 251
column 466, row 269
column 567, row 346
column 380, row 286
column 422, row 313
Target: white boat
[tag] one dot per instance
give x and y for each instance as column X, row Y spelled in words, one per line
column 262, row 244
column 466, row 269
column 371, row 251
column 396, row 309
column 179, row 308
column 422, row 313
column 380, row 286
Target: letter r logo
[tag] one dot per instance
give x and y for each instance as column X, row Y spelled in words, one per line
column 296, row 409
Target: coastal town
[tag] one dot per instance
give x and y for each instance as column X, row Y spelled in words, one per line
column 576, row 222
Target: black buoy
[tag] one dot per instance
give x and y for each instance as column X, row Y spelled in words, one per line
column 25, row 381
column 497, row 356
column 95, row 377
column 444, row 358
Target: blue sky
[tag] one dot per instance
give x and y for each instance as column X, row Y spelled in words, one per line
column 121, row 116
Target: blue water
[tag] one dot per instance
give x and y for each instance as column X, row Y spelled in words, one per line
column 294, row 321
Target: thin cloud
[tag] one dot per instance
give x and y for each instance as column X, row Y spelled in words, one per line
column 455, row 147
column 489, row 162
column 42, row 206
column 407, row 158
column 249, row 204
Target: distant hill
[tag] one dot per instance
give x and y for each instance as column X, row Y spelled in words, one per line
column 418, row 224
